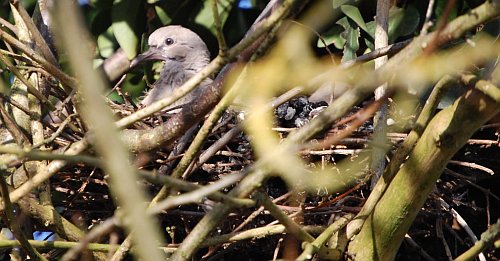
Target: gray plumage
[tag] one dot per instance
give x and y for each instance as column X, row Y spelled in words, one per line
column 183, row 54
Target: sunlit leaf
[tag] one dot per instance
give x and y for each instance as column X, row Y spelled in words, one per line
column 402, row 22
column 205, row 16
column 351, row 35
column 123, row 15
column 106, row 44
column 337, row 3
column 133, row 85
column 332, row 36
column 369, row 44
column 162, row 15
column 353, row 13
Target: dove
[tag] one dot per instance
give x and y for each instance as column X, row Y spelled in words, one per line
column 183, row 54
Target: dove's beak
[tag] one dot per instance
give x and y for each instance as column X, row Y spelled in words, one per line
column 153, row 54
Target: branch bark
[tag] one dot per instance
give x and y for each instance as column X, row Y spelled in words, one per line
column 384, row 230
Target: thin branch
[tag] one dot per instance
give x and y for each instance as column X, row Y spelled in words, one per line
column 29, row 154
column 85, row 243
column 218, row 111
column 443, row 20
column 17, row 57
column 377, row 161
column 463, row 224
column 11, row 126
column 13, row 224
column 8, row 25
column 56, row 134
column 311, row 248
column 44, row 174
column 487, row 238
column 255, row 233
column 52, row 69
column 28, row 84
column 187, row 186
column 70, row 31
column 428, row 15
column 39, row 244
column 15, row 104
column 361, row 117
column 228, row 136
column 401, row 153
column 35, row 34
column 215, row 65
column 418, row 248
column 321, row 38
column 218, row 28
column 473, row 166
column 194, row 196
column 277, row 213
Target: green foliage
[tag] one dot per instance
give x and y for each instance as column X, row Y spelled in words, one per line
column 353, row 13
column 402, row 22
column 106, row 43
column 206, row 18
column 454, row 11
column 347, row 37
column 124, row 14
column 289, row 62
column 337, row 3
column 163, row 15
column 332, row 36
column 127, row 23
column 351, row 36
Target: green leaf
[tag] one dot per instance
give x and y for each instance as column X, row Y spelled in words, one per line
column 134, row 85
column 369, row 44
column 402, row 22
column 162, row 15
column 332, row 36
column 352, row 44
column 353, row 13
column 344, row 22
column 441, row 6
column 205, row 16
column 351, row 35
column 106, row 43
column 99, row 20
column 371, row 28
column 123, row 15
column 337, row 3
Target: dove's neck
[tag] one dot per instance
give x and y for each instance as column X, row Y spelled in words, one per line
column 174, row 74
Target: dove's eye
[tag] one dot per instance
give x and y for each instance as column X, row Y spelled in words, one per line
column 169, row 41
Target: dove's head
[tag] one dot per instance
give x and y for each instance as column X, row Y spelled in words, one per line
column 176, row 46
